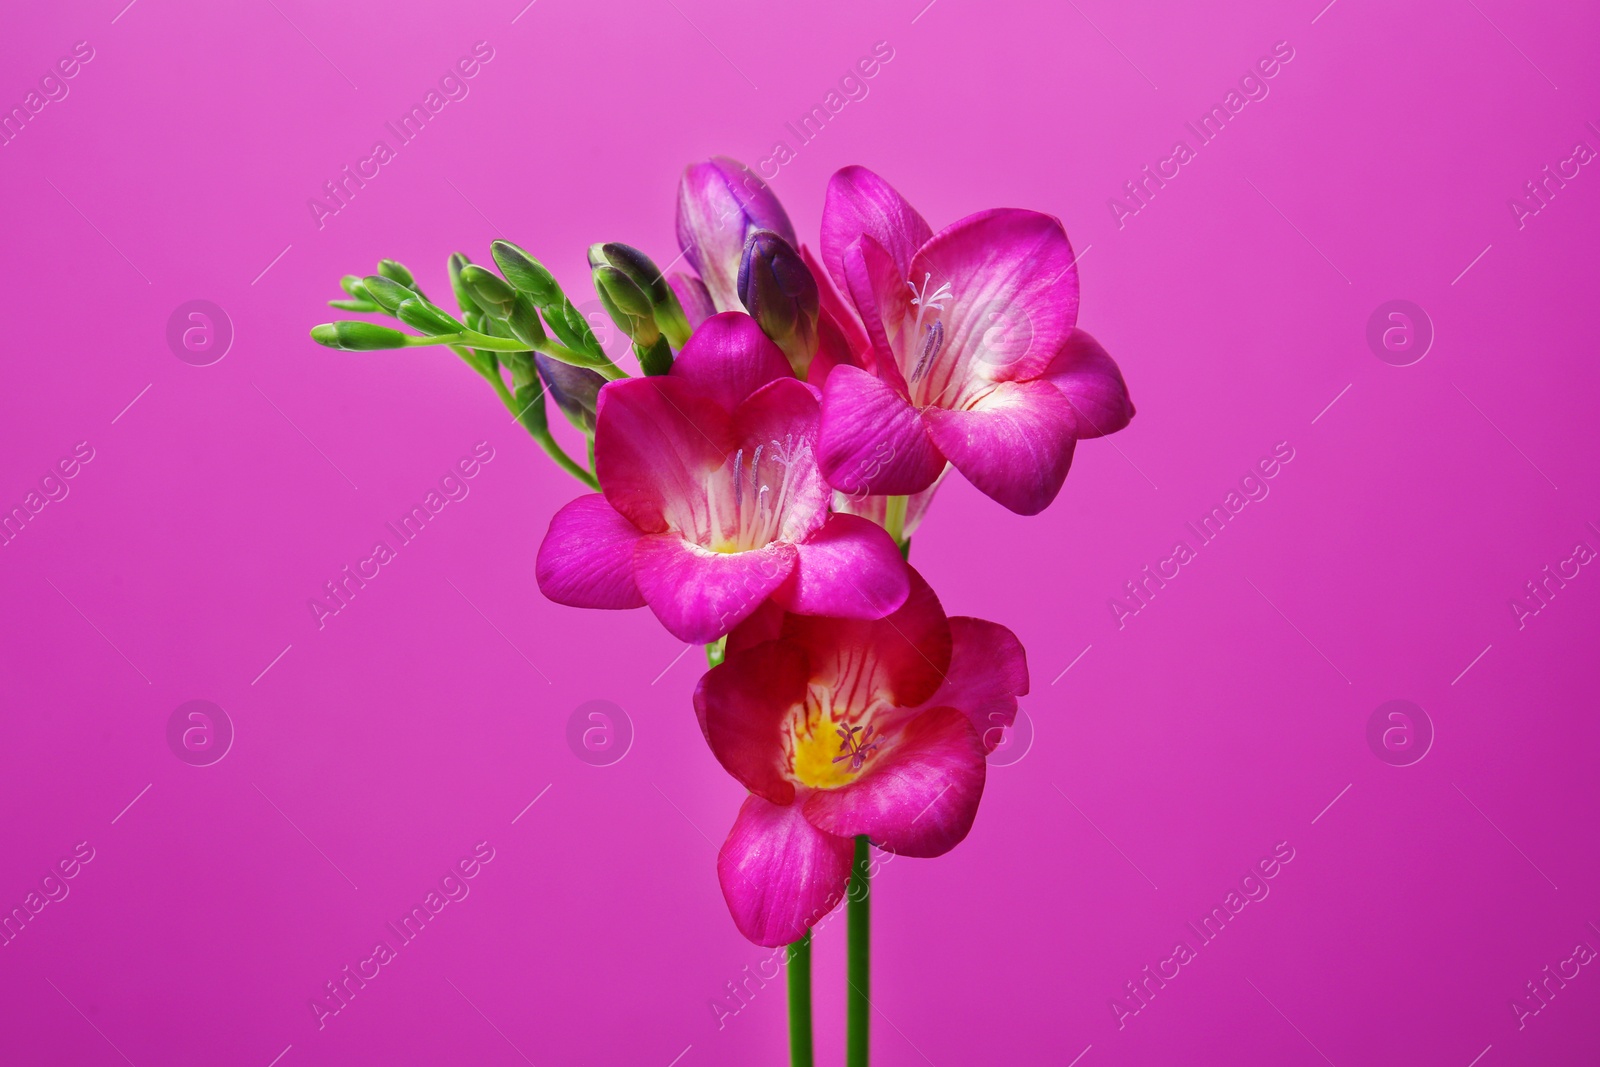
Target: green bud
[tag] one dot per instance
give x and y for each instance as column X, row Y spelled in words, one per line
column 386, row 293
column 421, row 315
column 640, row 269
column 353, row 285
column 529, row 276
column 353, row 335
column 488, row 290
column 656, row 358
column 463, row 297
column 521, row 366
column 526, row 273
column 396, row 272
column 523, row 322
column 355, row 305
column 529, row 398
column 627, row 305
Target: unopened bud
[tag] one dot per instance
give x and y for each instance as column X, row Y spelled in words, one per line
column 353, row 335
column 778, row 291
column 385, row 292
column 627, row 304
column 423, row 316
column 396, row 272
column 463, row 297
column 488, row 290
column 576, row 390
column 525, row 273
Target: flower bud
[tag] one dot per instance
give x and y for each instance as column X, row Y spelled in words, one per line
column 627, row 304
column 643, row 272
column 529, row 399
column 488, row 290
column 353, row 285
column 656, row 358
column 385, row 293
column 781, row 295
column 523, row 322
column 396, row 272
column 526, row 273
column 720, row 202
column 423, row 316
column 576, row 390
column 352, row 335
column 463, row 297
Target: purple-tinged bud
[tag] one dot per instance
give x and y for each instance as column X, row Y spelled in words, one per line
column 720, row 203
column 778, row 291
column 576, row 390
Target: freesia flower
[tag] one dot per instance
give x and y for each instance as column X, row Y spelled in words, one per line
column 712, row 501
column 842, row 727
column 975, row 357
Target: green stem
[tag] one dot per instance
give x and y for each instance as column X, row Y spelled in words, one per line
column 894, row 518
column 566, row 462
column 717, row 651
column 859, row 965
column 799, row 966
column 545, row 440
column 554, row 350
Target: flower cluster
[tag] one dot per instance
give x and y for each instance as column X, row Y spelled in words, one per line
column 757, row 484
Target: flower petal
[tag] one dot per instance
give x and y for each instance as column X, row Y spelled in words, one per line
column 850, row 569
column 1091, row 382
column 691, row 293
column 872, row 441
column 780, row 874
column 765, row 624
column 1015, row 294
column 878, row 289
column 720, row 203
column 859, row 202
column 916, row 799
column 586, row 558
column 1015, row 444
column 900, row 659
column 744, row 708
column 699, row 595
column 728, row 358
column 988, row 672
column 844, row 316
column 656, row 442
column 833, row 350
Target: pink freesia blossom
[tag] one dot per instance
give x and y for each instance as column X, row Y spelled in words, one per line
column 841, row 727
column 712, row 501
column 973, row 352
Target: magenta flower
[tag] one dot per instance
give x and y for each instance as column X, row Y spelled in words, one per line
column 841, row 727
column 973, row 353
column 712, row 501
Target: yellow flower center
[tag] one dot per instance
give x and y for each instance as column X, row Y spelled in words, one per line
column 827, row 752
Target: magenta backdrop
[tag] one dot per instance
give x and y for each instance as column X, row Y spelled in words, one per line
column 1179, row 740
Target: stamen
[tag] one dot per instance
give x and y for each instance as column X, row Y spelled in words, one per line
column 738, row 482
column 854, row 749
column 931, row 344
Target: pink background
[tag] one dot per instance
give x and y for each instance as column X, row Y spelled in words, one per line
column 1221, row 720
